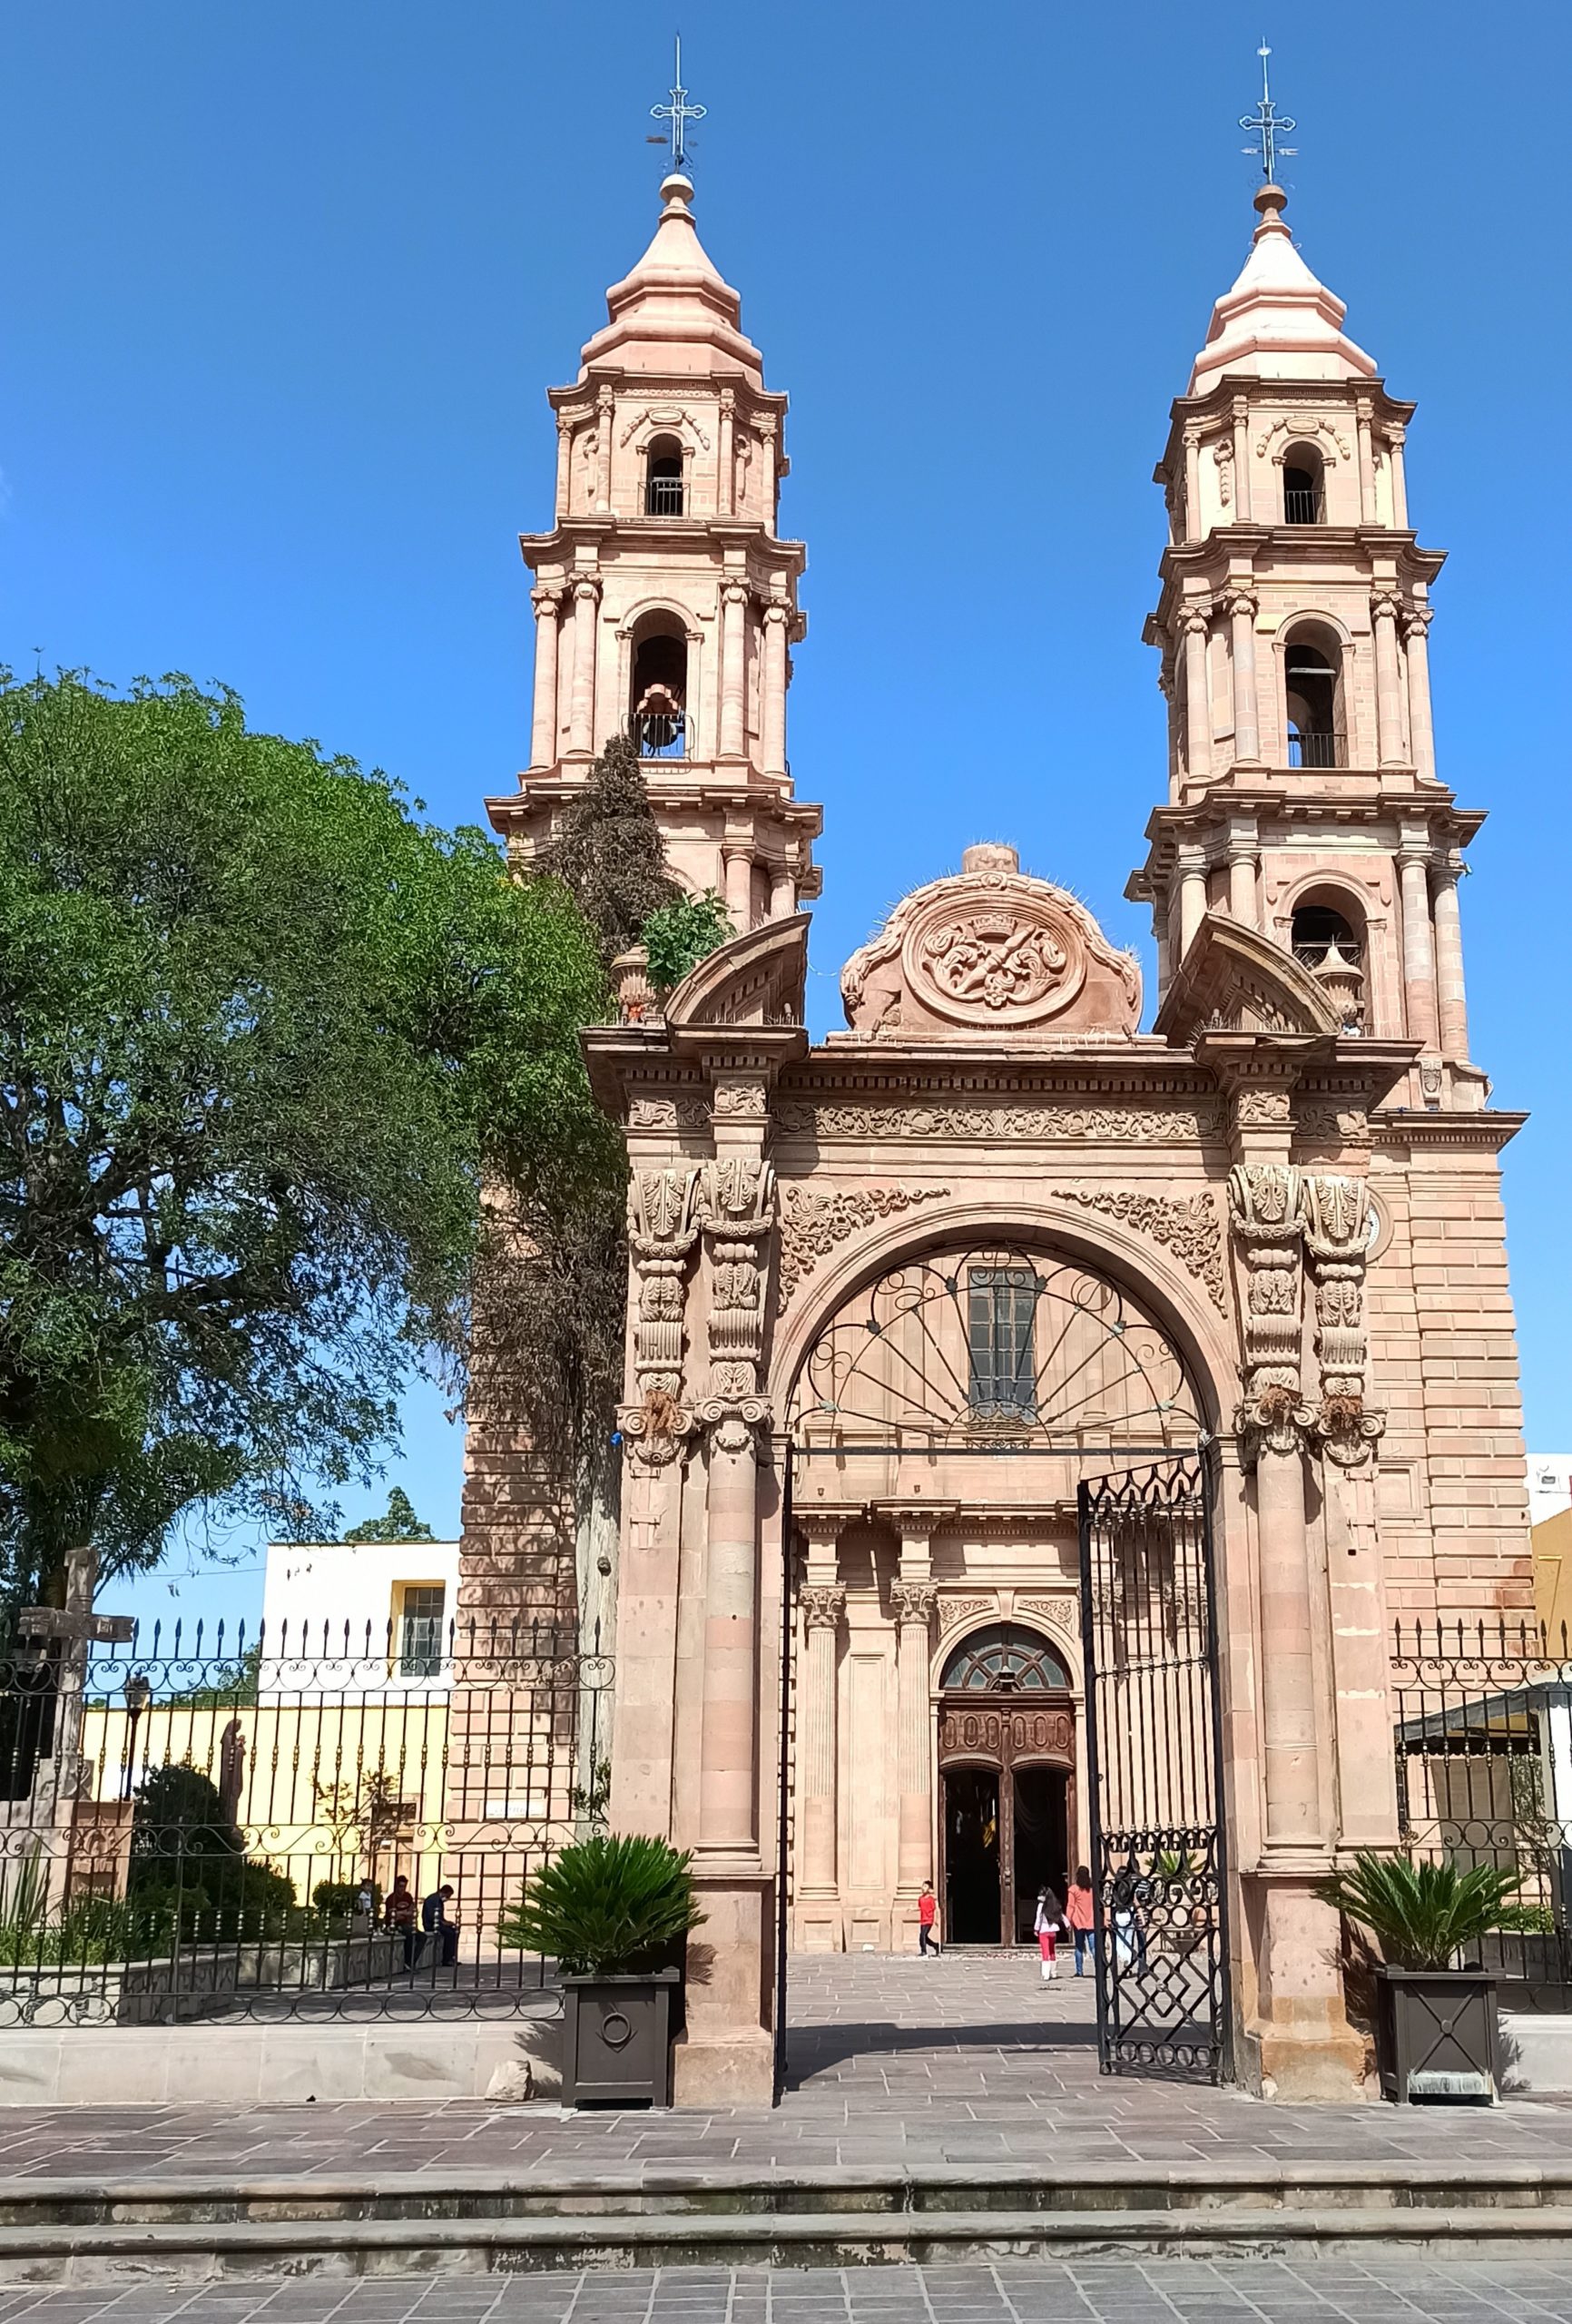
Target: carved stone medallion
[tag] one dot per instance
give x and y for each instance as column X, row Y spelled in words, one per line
column 1015, row 961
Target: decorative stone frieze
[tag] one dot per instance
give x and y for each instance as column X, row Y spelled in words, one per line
column 1337, row 1233
column 1264, row 1212
column 669, row 1113
column 1188, row 1227
column 954, row 1612
column 1050, row 1120
column 811, row 1225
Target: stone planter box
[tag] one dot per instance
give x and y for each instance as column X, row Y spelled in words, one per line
column 198, row 1981
column 1436, row 2035
column 617, row 2039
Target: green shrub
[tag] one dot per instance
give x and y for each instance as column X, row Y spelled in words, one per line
column 339, row 1900
column 1423, row 1914
column 682, row 933
column 606, row 1906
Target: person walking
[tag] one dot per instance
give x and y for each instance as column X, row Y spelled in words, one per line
column 1080, row 1913
column 1049, row 1920
column 927, row 1921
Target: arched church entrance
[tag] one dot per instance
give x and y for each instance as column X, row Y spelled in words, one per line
column 1007, row 1778
column 1004, row 1662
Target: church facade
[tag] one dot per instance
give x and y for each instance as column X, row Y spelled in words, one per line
column 934, row 1326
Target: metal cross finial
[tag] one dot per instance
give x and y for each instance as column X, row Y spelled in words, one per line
column 1266, row 125
column 679, row 112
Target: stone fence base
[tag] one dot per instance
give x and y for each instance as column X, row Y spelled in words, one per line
column 247, row 2065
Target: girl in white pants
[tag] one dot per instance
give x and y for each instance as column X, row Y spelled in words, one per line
column 1049, row 1916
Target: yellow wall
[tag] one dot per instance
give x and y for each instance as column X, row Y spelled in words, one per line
column 1552, row 1541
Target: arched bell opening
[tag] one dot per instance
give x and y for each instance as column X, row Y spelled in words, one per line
column 1303, row 486
column 1314, row 678
column 1329, row 939
column 658, row 714
column 664, row 488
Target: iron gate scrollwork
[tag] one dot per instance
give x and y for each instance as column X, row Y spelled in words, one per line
column 1150, row 1635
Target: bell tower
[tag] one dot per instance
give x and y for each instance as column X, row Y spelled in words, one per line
column 1303, row 798
column 666, row 602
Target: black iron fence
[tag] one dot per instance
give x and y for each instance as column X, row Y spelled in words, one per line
column 323, row 1825
column 1484, row 1775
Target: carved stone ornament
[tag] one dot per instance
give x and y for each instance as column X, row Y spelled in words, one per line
column 741, row 1100
column 990, row 950
column 970, row 1123
column 822, row 1603
column 1263, row 1107
column 1337, row 1234
column 955, row 1611
column 1223, row 453
column 1322, row 1122
column 811, row 1225
column 913, row 1602
column 1265, row 1212
column 737, row 1205
column 1187, row 1225
column 662, row 1228
column 1062, row 1613
column 669, row 1113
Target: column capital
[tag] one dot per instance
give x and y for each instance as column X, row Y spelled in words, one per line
column 1190, row 437
column 545, row 598
column 606, row 397
column 585, row 587
column 1396, row 433
column 1240, row 601
column 1196, row 621
column 1240, row 407
column 914, row 1603
column 1385, row 605
column 734, row 591
column 1416, row 619
column 822, row 1603
column 776, row 611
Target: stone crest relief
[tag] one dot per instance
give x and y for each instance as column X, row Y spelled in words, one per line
column 990, row 949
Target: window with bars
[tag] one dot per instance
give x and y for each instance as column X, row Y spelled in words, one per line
column 420, row 1627
column 1001, row 1311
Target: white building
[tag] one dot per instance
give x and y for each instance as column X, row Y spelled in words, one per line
column 1549, row 1485
column 371, row 1611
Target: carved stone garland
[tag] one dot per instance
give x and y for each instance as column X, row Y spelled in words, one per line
column 1263, row 1205
column 737, row 1206
column 1336, row 1213
column 662, row 1228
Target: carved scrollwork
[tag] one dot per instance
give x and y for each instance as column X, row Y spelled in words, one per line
column 824, row 1604
column 811, row 1225
column 1189, row 1227
column 1263, row 1203
column 737, row 1206
column 1337, row 1222
column 913, row 1602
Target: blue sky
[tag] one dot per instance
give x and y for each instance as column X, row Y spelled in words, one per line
column 286, row 283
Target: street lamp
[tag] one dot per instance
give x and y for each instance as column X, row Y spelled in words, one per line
column 138, row 1691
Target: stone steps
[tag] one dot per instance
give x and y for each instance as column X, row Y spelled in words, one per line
column 59, row 2230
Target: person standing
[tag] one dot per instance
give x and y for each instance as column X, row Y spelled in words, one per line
column 927, row 1920
column 1080, row 1913
column 401, row 1915
column 1050, row 1918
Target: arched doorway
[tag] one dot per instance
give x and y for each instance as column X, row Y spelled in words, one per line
column 1007, row 1778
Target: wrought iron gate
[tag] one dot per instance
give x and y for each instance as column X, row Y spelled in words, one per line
column 1154, row 1739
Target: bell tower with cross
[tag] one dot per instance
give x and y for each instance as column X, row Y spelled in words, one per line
column 666, row 600
column 1304, row 798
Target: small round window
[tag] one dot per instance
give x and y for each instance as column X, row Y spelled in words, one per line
column 1005, row 1661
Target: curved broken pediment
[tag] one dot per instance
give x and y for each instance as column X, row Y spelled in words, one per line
column 759, row 978
column 1234, row 979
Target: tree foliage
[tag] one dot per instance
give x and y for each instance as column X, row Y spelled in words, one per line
column 261, row 1034
column 681, row 934
column 605, row 1906
column 607, row 852
column 397, row 1523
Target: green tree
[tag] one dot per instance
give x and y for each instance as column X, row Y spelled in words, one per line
column 398, row 1523
column 262, row 1032
column 682, row 933
column 607, row 852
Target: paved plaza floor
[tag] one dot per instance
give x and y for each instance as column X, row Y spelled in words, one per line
column 970, row 2058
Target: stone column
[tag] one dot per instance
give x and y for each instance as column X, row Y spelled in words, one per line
column 1367, row 484
column 1452, row 999
column 1418, row 947
column 564, row 462
column 605, row 417
column 1264, row 1209
column 1160, row 938
column 1192, row 483
column 1242, row 606
column 737, row 875
column 782, row 891
column 1396, row 436
column 1385, row 608
column 1241, row 868
column 1244, row 502
column 1192, row 868
column 1421, row 734
column 1197, row 696
column 543, row 728
column 733, row 667
column 823, row 1604
column 726, row 480
column 914, row 1600
column 586, row 593
column 773, row 719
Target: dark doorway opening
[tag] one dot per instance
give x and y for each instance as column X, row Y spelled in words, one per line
column 971, row 1855
column 1042, row 1845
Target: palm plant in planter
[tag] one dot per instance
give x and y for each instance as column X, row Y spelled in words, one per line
column 613, row 1914
column 1436, row 2024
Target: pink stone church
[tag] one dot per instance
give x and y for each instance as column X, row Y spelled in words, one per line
column 1042, row 1397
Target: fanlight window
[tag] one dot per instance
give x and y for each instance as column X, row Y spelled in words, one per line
column 1005, row 1661
column 999, row 1346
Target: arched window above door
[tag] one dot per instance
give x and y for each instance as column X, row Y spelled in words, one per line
column 1005, row 1659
